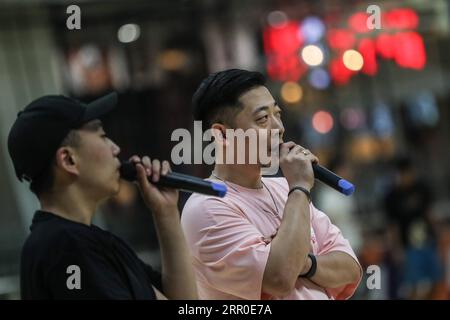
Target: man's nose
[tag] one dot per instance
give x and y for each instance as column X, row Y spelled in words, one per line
column 116, row 149
column 278, row 124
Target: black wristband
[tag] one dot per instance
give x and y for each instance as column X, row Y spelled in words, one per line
column 308, row 194
column 312, row 271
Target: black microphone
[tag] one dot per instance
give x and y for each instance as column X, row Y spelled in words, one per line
column 333, row 180
column 176, row 180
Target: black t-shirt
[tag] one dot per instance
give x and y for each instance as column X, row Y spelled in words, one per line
column 63, row 259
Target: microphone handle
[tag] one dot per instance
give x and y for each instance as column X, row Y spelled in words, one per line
column 333, row 180
column 189, row 183
column 179, row 181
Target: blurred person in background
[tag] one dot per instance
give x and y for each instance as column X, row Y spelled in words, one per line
column 411, row 232
column 59, row 145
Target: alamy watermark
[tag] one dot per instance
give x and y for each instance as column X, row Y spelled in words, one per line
column 374, row 19
column 73, row 22
column 374, row 279
column 234, row 146
column 74, row 279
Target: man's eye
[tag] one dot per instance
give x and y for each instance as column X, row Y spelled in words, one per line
column 263, row 118
column 104, row 136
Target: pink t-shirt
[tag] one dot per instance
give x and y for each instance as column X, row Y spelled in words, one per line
column 229, row 239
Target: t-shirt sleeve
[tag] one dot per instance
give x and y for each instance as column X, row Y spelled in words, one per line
column 229, row 251
column 81, row 273
column 329, row 239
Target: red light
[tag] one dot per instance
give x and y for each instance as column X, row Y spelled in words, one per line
column 282, row 46
column 385, row 46
column 283, row 40
column 339, row 73
column 401, row 19
column 340, row 39
column 358, row 22
column 367, row 49
column 322, row 122
column 410, row 50
column 396, row 40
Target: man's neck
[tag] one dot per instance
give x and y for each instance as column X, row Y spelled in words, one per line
column 248, row 176
column 70, row 203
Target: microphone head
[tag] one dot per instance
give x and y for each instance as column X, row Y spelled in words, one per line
column 220, row 188
column 128, row 171
column 346, row 187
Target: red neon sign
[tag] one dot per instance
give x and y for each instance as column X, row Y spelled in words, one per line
column 397, row 41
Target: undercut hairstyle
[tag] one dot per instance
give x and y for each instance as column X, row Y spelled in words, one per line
column 217, row 97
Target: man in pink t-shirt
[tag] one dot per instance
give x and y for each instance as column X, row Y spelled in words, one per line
column 264, row 239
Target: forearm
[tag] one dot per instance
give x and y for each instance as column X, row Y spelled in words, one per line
column 290, row 247
column 336, row 269
column 177, row 274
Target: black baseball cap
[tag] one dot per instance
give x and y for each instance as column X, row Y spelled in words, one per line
column 41, row 127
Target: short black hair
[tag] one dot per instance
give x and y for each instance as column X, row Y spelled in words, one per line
column 220, row 91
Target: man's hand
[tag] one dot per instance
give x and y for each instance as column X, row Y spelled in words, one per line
column 158, row 200
column 296, row 164
column 178, row 278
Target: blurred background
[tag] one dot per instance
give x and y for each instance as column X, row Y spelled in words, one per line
column 373, row 104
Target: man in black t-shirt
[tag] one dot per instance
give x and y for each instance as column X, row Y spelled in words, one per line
column 59, row 146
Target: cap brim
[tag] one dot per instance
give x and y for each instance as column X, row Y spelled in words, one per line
column 100, row 107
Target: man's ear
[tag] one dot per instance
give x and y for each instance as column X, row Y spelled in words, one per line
column 66, row 160
column 219, row 133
